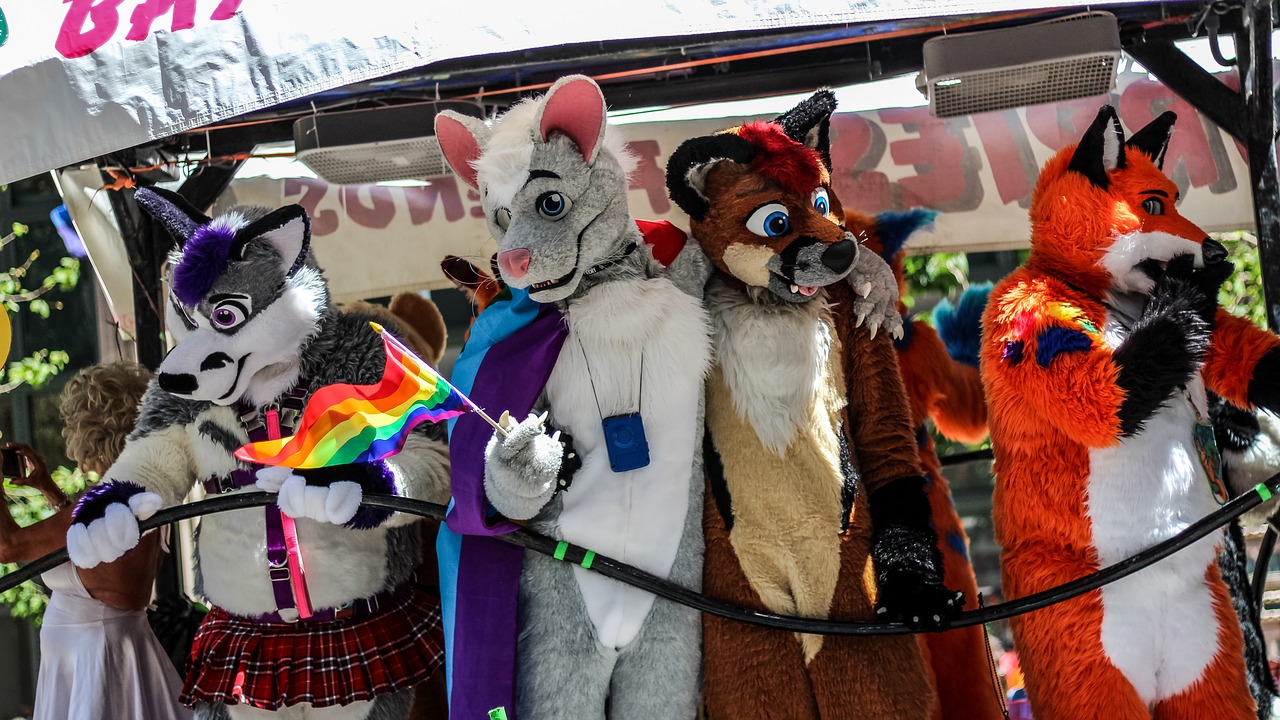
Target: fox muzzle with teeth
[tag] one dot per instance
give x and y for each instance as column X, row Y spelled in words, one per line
column 807, row 265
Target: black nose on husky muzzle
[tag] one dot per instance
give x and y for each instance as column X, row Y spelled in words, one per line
column 178, row 383
column 839, row 256
column 1214, row 252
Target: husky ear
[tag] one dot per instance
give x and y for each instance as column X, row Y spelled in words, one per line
column 460, row 139
column 1099, row 151
column 288, row 230
column 809, row 123
column 574, row 106
column 1153, row 140
column 688, row 166
column 172, row 210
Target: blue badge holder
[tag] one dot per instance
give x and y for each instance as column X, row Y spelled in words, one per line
column 626, row 442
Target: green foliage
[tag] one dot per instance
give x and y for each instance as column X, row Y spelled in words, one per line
column 27, row 506
column 40, row 366
column 34, row 370
column 1242, row 292
column 940, row 273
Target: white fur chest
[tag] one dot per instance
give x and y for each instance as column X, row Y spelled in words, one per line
column 341, row 565
column 1158, row 625
column 1152, row 485
column 636, row 516
column 774, row 359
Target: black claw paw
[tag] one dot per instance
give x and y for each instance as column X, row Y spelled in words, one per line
column 570, row 461
column 919, row 605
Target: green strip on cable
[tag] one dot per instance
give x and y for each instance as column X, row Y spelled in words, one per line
column 587, row 559
column 561, row 549
column 1263, row 491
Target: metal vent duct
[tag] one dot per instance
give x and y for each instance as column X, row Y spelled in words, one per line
column 1062, row 59
column 374, row 145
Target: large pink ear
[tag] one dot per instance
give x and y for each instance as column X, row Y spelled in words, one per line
column 575, row 107
column 458, row 141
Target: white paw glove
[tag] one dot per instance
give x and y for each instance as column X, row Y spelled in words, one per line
column 107, row 538
column 272, row 478
column 522, row 469
column 337, row 503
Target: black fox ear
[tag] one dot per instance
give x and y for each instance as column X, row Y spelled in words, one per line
column 688, row 166
column 1153, row 140
column 809, row 123
column 287, row 229
column 172, row 210
column 1099, row 151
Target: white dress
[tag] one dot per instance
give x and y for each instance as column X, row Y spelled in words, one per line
column 100, row 663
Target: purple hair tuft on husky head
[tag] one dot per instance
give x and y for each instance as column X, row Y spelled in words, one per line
column 204, row 258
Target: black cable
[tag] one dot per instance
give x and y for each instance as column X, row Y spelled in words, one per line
column 664, row 588
column 1265, row 550
column 964, row 457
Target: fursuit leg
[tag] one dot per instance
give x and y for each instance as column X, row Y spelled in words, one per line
column 957, row 659
column 563, row 671
column 1222, row 691
column 659, row 675
column 303, row 711
column 869, row 678
column 1233, row 563
column 751, row 671
column 1068, row 673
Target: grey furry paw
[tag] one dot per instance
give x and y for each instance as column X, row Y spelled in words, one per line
column 522, row 471
column 691, row 270
column 876, row 306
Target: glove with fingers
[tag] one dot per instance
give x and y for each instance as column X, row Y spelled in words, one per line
column 104, row 524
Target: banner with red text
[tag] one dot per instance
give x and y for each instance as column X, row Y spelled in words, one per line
column 977, row 171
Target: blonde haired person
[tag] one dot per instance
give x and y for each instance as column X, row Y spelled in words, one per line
column 99, row 659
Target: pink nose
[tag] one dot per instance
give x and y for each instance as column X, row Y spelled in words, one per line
column 514, row 263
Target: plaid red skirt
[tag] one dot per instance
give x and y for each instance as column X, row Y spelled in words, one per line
column 235, row 660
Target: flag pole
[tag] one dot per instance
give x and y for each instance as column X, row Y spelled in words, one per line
column 478, row 410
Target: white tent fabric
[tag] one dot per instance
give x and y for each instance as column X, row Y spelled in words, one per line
column 82, row 78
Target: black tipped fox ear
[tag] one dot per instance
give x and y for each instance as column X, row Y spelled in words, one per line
column 809, row 123
column 172, row 210
column 1153, row 139
column 688, row 166
column 1099, row 150
column 287, row 229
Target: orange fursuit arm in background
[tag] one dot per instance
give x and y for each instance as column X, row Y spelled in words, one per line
column 1243, row 363
column 949, row 392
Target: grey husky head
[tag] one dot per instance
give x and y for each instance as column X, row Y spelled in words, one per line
column 553, row 184
column 245, row 297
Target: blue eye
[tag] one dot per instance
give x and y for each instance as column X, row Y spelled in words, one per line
column 553, row 205
column 770, row 220
column 821, row 202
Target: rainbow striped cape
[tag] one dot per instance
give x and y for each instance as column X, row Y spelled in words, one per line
column 504, row 365
column 344, row 424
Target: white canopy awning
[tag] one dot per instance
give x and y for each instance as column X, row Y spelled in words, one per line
column 82, row 78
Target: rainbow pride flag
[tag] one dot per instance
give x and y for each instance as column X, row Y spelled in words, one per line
column 345, row 424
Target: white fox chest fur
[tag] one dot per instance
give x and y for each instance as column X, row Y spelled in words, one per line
column 1158, row 624
column 636, row 516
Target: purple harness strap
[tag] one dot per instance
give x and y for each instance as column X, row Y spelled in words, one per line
column 260, row 426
